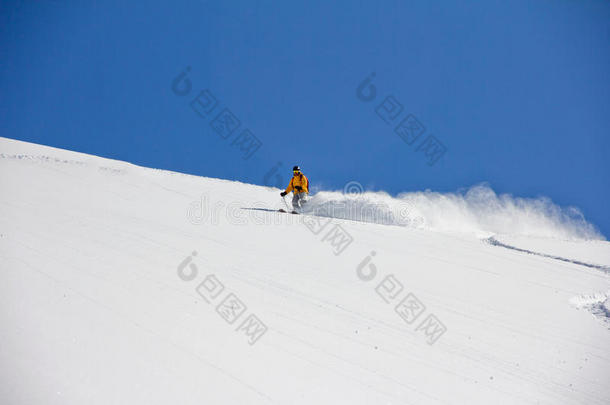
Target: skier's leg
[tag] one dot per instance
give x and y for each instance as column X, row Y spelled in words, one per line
column 295, row 201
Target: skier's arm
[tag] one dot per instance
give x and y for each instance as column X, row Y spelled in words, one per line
column 290, row 186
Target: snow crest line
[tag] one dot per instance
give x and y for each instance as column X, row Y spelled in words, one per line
column 57, row 160
column 476, row 210
column 494, row 242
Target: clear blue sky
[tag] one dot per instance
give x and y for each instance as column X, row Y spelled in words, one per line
column 517, row 91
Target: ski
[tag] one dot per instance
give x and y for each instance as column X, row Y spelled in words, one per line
column 284, row 211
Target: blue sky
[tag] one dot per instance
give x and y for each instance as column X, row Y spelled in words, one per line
column 517, row 93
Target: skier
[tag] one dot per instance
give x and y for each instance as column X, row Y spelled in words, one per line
column 299, row 185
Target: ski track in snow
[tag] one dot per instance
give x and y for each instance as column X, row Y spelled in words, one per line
column 494, row 242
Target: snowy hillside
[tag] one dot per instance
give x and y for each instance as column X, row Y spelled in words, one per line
column 128, row 285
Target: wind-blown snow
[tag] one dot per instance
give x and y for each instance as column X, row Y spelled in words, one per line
column 478, row 210
column 126, row 285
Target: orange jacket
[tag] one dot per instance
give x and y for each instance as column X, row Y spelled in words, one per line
column 298, row 180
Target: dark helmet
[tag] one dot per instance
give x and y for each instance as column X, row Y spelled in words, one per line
column 296, row 169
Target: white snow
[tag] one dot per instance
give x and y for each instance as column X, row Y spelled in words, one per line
column 93, row 309
column 584, row 300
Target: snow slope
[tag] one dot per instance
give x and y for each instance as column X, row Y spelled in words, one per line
column 103, row 302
